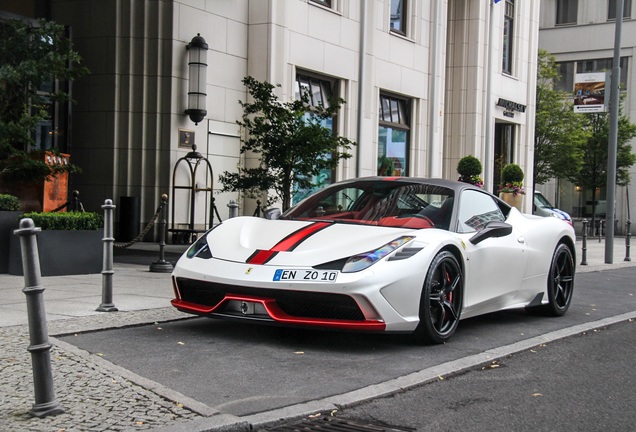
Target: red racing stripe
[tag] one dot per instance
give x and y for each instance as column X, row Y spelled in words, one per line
column 287, row 244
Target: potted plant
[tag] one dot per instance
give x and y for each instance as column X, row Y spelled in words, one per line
column 511, row 189
column 9, row 216
column 69, row 243
column 469, row 170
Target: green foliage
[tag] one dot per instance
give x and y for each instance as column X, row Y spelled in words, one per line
column 593, row 173
column 67, row 220
column 469, row 166
column 31, row 57
column 512, row 173
column 559, row 131
column 9, row 202
column 289, row 139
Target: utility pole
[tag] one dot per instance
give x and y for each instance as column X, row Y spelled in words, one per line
column 613, row 137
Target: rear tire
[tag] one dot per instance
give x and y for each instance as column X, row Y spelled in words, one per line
column 560, row 282
column 441, row 301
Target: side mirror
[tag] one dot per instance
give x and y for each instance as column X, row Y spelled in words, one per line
column 272, row 214
column 492, row 229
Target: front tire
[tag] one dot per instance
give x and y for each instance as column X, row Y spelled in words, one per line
column 560, row 282
column 441, row 301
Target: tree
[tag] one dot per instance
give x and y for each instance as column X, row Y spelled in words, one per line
column 559, row 131
column 593, row 173
column 32, row 56
column 292, row 145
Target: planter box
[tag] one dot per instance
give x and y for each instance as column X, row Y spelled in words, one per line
column 9, row 221
column 62, row 253
column 514, row 201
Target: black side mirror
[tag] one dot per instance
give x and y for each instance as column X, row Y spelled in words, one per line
column 492, row 229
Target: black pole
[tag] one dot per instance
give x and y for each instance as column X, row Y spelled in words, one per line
column 584, row 254
column 162, row 266
column 40, row 347
column 107, row 304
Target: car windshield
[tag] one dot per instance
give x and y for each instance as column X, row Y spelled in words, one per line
column 541, row 201
column 380, row 203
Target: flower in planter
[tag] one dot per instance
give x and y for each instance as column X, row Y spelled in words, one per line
column 469, row 169
column 512, row 180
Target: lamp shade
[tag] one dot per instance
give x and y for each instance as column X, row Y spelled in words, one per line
column 197, row 78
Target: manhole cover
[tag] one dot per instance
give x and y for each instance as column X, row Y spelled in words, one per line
column 333, row 424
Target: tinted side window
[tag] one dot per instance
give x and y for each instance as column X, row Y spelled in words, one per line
column 476, row 209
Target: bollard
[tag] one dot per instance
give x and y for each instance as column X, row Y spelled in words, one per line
column 601, row 229
column 162, row 266
column 628, row 236
column 40, row 347
column 107, row 267
column 234, row 207
column 584, row 254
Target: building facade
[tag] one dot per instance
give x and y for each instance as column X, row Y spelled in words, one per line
column 425, row 83
column 581, row 35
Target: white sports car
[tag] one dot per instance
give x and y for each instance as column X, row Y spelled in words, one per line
column 381, row 254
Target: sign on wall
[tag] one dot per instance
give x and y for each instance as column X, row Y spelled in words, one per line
column 589, row 92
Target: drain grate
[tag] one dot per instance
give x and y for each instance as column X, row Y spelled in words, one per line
column 333, row 424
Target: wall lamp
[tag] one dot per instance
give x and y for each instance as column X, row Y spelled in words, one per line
column 197, row 76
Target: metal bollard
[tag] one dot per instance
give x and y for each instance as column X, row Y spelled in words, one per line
column 162, row 266
column 234, row 207
column 601, row 229
column 584, row 254
column 40, row 347
column 107, row 267
column 628, row 236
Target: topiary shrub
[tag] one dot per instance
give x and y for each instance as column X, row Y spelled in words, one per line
column 9, row 202
column 469, row 169
column 67, row 221
column 512, row 173
column 512, row 179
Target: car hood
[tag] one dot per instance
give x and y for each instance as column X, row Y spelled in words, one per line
column 295, row 243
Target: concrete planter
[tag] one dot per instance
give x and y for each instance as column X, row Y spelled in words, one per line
column 62, row 253
column 9, row 221
column 514, row 201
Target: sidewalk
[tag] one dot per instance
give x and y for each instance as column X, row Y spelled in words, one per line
column 100, row 396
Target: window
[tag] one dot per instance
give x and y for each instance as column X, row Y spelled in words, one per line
column 393, row 136
column 318, row 90
column 567, row 71
column 565, row 81
column 603, row 65
column 398, row 16
column 509, row 17
column 611, row 9
column 326, row 3
column 567, row 11
column 476, row 210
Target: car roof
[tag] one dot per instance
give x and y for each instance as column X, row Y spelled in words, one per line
column 456, row 186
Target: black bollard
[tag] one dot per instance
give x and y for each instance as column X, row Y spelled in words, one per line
column 628, row 236
column 40, row 348
column 162, row 266
column 107, row 268
column 584, row 254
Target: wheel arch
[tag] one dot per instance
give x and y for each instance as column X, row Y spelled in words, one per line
column 566, row 240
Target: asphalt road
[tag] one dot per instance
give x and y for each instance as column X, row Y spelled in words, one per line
column 584, row 383
column 243, row 369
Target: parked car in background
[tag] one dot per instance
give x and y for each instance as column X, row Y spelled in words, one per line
column 543, row 207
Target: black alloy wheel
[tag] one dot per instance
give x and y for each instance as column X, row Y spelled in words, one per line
column 441, row 302
column 560, row 282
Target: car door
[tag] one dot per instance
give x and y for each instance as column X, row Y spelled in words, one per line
column 495, row 265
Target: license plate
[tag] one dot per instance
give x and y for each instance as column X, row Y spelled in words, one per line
column 305, row 275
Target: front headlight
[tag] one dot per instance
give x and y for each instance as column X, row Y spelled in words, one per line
column 367, row 259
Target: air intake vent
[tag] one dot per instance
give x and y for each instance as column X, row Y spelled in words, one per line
column 405, row 253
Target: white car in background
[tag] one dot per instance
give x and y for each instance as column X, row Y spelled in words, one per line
column 543, row 207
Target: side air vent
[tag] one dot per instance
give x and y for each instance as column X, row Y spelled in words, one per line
column 405, row 253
